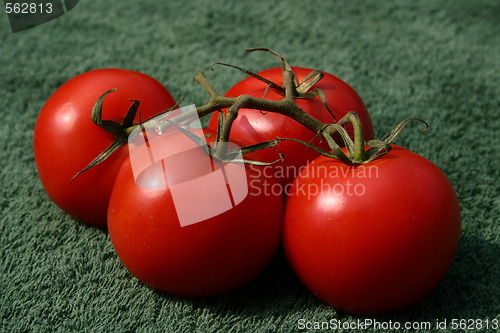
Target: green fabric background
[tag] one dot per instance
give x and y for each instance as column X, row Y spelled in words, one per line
column 437, row 60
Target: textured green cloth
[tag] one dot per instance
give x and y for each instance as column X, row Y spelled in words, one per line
column 436, row 60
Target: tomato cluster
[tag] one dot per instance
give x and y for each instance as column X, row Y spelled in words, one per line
column 364, row 238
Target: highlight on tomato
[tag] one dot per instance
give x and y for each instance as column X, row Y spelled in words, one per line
column 66, row 139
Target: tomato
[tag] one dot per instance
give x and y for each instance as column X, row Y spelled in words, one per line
column 371, row 238
column 209, row 256
column 254, row 126
column 66, row 140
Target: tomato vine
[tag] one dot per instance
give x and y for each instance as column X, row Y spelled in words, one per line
column 358, row 150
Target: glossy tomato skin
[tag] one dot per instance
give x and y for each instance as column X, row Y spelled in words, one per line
column 66, row 140
column 254, row 126
column 203, row 259
column 377, row 237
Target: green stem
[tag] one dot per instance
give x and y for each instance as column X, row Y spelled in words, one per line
column 359, row 153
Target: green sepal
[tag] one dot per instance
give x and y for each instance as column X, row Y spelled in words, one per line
column 117, row 143
column 279, row 88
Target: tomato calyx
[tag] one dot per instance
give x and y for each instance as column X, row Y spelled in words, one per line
column 357, row 152
column 300, row 90
column 223, row 152
column 119, row 130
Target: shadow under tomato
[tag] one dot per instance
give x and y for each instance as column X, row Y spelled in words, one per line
column 276, row 290
column 469, row 290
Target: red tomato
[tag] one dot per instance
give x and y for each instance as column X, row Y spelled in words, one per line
column 372, row 238
column 254, row 126
column 209, row 257
column 66, row 140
